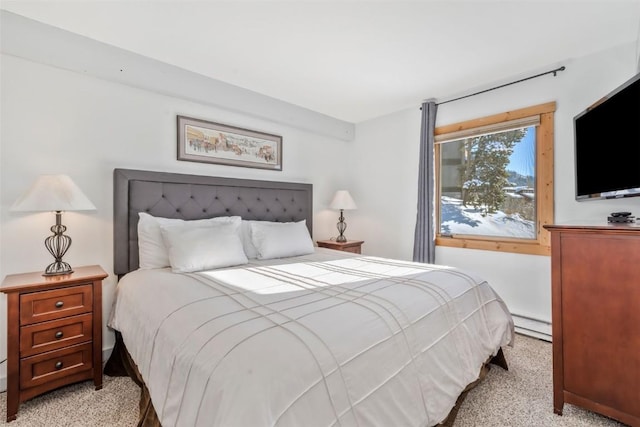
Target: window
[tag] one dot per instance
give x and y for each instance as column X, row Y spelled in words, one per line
column 494, row 181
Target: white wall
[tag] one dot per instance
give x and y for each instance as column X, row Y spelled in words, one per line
column 57, row 121
column 383, row 174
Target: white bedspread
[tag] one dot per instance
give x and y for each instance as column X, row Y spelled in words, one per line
column 320, row 340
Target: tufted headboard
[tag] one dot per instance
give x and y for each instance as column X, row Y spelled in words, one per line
column 188, row 197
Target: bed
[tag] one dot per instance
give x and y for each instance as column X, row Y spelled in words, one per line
column 297, row 336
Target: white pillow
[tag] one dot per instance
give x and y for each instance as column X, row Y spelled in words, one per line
column 247, row 243
column 281, row 239
column 151, row 247
column 205, row 248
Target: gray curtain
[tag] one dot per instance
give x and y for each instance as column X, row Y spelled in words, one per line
column 424, row 246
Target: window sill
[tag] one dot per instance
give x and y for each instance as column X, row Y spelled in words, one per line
column 499, row 245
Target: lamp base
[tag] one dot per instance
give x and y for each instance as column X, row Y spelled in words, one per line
column 57, row 244
column 341, row 225
column 57, row 268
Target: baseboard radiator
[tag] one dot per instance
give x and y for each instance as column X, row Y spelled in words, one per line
column 532, row 327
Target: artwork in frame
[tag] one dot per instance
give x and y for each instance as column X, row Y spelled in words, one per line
column 209, row 142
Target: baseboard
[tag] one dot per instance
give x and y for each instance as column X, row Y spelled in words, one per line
column 529, row 326
column 106, row 352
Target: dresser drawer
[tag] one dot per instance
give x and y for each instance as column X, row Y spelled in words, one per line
column 353, row 249
column 55, row 304
column 53, row 365
column 55, row 334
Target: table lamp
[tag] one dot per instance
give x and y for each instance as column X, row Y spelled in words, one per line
column 55, row 193
column 342, row 200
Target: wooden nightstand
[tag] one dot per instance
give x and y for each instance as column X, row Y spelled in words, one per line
column 54, row 332
column 349, row 246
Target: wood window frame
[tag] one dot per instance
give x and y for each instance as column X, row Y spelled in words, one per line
column 541, row 245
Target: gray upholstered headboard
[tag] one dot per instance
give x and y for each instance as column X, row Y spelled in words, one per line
column 172, row 195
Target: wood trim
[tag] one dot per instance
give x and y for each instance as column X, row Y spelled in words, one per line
column 556, row 325
column 544, row 177
column 489, row 244
column 541, row 245
column 490, row 128
column 549, row 107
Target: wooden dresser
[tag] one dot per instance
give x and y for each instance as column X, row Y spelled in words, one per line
column 596, row 319
column 54, row 332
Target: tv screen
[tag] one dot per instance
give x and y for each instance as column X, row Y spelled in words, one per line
column 607, row 145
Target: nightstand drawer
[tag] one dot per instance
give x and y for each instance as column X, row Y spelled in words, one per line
column 353, row 249
column 55, row 304
column 40, row 369
column 55, row 334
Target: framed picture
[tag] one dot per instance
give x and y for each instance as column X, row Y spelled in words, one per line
column 208, row 142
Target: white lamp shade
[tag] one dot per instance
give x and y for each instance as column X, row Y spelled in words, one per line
column 53, row 193
column 343, row 200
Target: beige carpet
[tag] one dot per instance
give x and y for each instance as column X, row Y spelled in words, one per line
column 520, row 397
column 523, row 396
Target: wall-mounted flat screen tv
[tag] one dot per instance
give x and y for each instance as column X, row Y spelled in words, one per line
column 607, row 145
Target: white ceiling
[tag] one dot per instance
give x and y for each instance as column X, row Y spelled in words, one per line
column 352, row 60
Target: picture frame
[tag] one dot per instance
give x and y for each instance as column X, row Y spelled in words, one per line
column 209, row 142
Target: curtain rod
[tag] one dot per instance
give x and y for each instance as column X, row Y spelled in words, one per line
column 506, row 84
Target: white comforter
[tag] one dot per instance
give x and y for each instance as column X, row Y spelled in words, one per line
column 320, row 340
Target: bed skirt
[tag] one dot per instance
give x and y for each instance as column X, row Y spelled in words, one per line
column 120, row 364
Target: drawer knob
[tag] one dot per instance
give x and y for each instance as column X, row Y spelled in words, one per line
column 59, row 365
column 59, row 304
column 59, row 335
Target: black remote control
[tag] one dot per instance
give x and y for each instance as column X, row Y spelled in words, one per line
column 620, row 214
